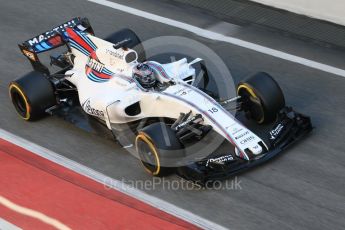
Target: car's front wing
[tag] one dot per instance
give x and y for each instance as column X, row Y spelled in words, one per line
column 290, row 128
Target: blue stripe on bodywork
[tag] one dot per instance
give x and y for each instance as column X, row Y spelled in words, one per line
column 79, row 48
column 45, row 45
column 93, row 77
column 39, row 47
column 106, row 71
column 87, row 40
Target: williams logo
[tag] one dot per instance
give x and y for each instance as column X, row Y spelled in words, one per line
column 220, row 160
column 92, row 111
column 276, row 132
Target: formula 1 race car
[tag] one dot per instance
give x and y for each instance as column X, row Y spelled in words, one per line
column 108, row 86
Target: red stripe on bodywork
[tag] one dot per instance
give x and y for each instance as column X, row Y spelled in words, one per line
column 88, row 70
column 101, row 75
column 73, row 35
column 56, row 40
column 93, row 55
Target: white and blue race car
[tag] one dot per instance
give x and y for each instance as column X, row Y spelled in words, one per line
column 108, row 86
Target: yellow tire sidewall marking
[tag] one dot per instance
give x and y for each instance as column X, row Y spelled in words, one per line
column 17, row 88
column 149, row 142
column 252, row 93
column 247, row 88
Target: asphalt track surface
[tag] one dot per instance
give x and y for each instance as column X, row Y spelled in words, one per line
column 302, row 189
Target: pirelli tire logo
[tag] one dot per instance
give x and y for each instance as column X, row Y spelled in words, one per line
column 92, row 111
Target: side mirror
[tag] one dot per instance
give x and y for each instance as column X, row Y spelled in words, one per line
column 203, row 73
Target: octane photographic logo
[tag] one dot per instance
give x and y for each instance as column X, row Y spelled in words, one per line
column 168, row 49
column 176, row 184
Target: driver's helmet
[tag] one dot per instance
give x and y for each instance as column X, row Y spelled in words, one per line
column 144, row 75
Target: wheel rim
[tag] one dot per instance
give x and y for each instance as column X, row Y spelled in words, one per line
column 148, row 154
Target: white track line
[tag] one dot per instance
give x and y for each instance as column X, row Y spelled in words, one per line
column 33, row 214
column 220, row 37
column 110, row 182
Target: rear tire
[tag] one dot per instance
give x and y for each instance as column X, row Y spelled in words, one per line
column 31, row 95
column 156, row 155
column 262, row 97
column 134, row 42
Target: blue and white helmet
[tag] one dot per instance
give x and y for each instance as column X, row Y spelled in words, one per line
column 144, row 75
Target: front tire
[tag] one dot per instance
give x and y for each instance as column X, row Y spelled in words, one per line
column 156, row 155
column 31, row 95
column 262, row 97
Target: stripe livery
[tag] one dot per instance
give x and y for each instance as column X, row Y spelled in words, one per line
column 81, row 42
column 158, row 69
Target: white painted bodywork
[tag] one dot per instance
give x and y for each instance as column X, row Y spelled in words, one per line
column 108, row 100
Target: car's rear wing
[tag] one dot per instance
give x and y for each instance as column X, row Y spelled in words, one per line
column 51, row 39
